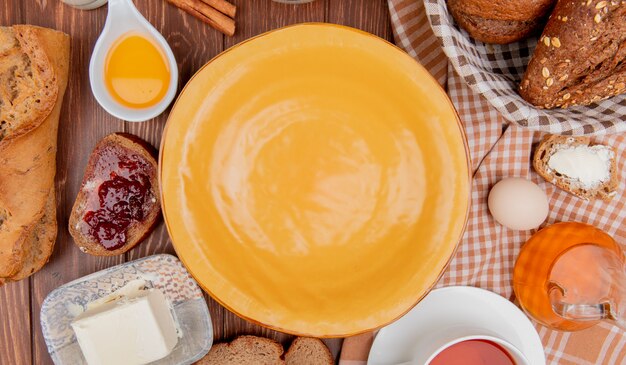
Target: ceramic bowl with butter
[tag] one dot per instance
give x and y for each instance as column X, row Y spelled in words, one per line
column 315, row 180
column 144, row 311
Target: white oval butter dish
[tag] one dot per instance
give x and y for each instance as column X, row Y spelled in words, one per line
column 163, row 272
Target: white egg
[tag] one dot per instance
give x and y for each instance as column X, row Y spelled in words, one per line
column 518, row 203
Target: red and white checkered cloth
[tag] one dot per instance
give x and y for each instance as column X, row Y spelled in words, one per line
column 487, row 252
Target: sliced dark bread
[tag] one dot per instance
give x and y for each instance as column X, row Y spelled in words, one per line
column 553, row 143
column 581, row 55
column 245, row 350
column 118, row 203
column 308, row 351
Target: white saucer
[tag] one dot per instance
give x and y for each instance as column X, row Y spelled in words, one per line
column 452, row 307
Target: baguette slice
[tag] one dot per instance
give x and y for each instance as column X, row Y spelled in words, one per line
column 552, row 143
column 108, row 159
column 29, row 87
column 308, row 351
column 581, row 56
column 245, row 350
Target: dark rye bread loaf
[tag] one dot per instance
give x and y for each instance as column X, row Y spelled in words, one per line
column 581, row 55
column 500, row 21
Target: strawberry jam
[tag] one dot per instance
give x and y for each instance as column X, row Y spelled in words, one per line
column 124, row 196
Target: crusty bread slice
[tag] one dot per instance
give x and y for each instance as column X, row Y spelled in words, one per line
column 29, row 163
column 308, row 351
column 245, row 350
column 127, row 145
column 29, row 87
column 552, row 143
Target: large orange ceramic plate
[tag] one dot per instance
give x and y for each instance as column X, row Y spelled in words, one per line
column 315, row 180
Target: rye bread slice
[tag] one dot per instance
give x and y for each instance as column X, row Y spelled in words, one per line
column 552, row 143
column 135, row 150
column 500, row 22
column 245, row 350
column 580, row 58
column 308, row 351
column 28, row 81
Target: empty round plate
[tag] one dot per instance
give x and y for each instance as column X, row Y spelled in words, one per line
column 315, row 180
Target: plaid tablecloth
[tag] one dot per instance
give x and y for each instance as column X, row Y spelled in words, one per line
column 487, row 252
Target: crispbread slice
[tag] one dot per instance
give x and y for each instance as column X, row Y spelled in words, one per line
column 245, row 350
column 549, row 145
column 28, row 81
column 308, row 351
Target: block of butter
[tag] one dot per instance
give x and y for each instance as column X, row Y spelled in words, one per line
column 132, row 327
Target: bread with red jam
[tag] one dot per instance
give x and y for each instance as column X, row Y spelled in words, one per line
column 118, row 203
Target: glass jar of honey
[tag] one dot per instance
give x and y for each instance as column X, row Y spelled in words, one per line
column 571, row 275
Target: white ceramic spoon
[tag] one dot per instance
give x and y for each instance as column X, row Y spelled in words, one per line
column 124, row 18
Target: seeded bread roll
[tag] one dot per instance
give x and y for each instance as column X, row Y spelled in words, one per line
column 308, row 351
column 553, row 143
column 580, row 57
column 245, row 350
column 500, row 21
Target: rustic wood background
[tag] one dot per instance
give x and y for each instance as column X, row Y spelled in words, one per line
column 84, row 122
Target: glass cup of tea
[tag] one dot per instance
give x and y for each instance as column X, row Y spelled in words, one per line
column 466, row 346
column 569, row 276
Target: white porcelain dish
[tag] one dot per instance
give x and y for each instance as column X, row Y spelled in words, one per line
column 456, row 311
column 124, row 18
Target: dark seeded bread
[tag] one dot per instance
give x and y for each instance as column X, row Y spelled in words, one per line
column 28, row 82
column 552, row 143
column 500, row 21
column 245, row 350
column 581, row 55
column 308, row 351
column 137, row 231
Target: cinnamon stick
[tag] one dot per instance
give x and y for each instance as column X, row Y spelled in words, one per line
column 223, row 6
column 207, row 14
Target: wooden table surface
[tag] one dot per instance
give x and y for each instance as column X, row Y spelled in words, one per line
column 84, row 122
